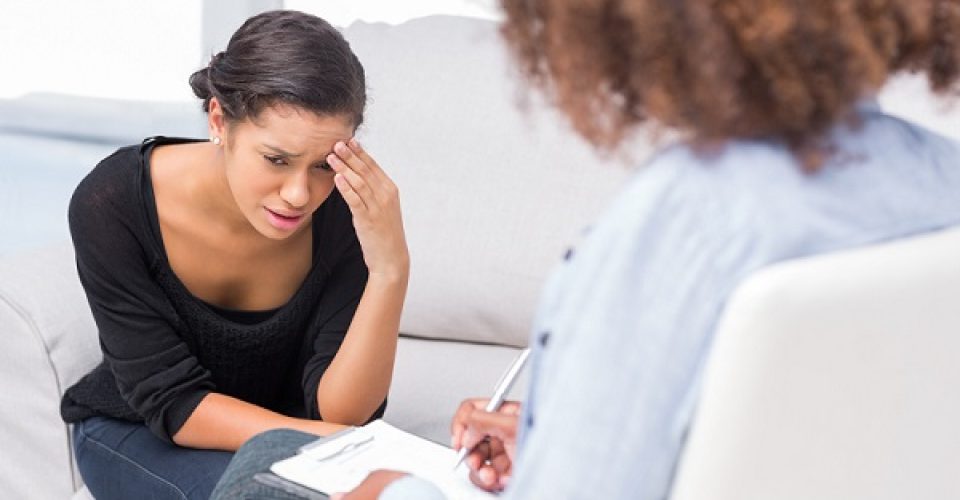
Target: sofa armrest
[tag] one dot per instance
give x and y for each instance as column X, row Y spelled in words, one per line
column 49, row 341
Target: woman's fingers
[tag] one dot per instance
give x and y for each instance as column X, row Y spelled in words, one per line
column 368, row 160
column 357, row 183
column 354, row 201
column 489, row 453
column 481, row 424
column 363, row 164
column 486, row 478
column 478, row 456
column 465, row 414
column 489, row 436
column 501, row 463
column 342, row 152
column 510, row 408
column 375, row 204
column 489, row 477
column 365, row 176
column 458, row 423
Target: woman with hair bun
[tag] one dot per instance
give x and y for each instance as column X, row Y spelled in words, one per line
column 783, row 153
column 250, row 282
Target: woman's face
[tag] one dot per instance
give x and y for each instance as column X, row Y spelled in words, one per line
column 276, row 166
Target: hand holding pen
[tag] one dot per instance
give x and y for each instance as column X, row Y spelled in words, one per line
column 484, row 430
column 488, row 440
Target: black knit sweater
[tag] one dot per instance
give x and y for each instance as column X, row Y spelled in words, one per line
column 163, row 348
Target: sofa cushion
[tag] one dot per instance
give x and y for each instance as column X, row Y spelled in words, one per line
column 50, row 142
column 37, row 177
column 431, row 377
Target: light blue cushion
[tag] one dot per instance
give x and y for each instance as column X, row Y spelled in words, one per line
column 99, row 120
column 37, row 178
column 49, row 142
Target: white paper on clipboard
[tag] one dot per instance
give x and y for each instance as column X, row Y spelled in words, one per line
column 343, row 462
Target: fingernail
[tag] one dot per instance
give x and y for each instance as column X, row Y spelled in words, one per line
column 487, row 476
column 354, row 143
column 340, row 148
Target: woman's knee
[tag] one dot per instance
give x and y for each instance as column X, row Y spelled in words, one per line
column 281, row 439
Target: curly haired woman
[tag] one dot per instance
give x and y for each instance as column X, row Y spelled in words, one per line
column 783, row 153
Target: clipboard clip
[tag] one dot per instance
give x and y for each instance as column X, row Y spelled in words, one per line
column 322, row 454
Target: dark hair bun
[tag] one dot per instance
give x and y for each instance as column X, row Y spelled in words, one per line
column 200, row 82
column 284, row 57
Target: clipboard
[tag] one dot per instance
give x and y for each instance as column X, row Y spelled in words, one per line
column 273, row 481
column 339, row 463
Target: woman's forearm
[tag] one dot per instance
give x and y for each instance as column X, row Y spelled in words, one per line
column 358, row 378
column 352, row 388
column 221, row 422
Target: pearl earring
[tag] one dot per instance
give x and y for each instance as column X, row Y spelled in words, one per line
column 216, row 141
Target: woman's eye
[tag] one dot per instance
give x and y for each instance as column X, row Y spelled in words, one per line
column 276, row 160
column 324, row 166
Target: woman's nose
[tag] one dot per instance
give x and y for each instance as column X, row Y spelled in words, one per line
column 296, row 189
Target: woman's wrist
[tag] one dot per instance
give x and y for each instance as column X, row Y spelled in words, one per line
column 396, row 274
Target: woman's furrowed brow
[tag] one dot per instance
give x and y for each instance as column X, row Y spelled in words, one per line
column 282, row 152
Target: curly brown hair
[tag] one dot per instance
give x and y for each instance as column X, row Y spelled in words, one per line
column 718, row 70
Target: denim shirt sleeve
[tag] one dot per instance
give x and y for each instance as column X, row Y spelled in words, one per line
column 626, row 324
column 618, row 349
column 623, row 334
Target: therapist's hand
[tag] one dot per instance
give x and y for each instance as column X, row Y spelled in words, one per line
column 492, row 437
column 371, row 487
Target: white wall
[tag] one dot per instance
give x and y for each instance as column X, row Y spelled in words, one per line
column 146, row 49
column 344, row 12
column 908, row 96
column 128, row 49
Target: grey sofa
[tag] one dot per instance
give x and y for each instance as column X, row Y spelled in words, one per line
column 491, row 198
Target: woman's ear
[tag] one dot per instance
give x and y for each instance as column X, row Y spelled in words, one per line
column 216, row 121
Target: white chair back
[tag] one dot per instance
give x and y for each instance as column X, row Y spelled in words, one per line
column 835, row 377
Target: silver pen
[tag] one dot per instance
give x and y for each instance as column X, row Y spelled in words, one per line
column 499, row 393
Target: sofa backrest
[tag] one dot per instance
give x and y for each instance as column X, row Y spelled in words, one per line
column 835, row 377
column 492, row 195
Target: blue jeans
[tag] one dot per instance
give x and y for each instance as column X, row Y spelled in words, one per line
column 123, row 460
column 249, row 476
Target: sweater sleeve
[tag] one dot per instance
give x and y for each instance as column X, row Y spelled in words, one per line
column 341, row 295
column 155, row 371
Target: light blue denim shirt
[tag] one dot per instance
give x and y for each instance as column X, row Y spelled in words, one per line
column 626, row 322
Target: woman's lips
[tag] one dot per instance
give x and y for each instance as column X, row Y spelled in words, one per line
column 283, row 222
